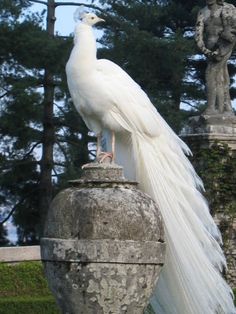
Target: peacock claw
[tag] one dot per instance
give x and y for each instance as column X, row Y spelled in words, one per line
column 103, row 156
column 85, row 165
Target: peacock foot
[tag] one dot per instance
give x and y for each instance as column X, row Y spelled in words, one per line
column 105, row 157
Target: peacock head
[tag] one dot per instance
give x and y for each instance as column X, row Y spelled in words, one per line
column 91, row 19
column 85, row 17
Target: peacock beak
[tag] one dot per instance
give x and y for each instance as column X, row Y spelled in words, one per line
column 100, row 20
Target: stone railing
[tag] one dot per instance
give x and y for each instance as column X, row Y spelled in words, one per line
column 16, row 254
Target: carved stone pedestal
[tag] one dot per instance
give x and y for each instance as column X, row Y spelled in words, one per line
column 207, row 129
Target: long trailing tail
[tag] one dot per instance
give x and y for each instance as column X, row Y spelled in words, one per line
column 190, row 282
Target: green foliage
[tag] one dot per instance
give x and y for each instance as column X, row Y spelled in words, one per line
column 23, row 289
column 3, row 236
column 26, row 52
column 12, row 9
column 30, row 305
column 23, row 279
column 217, row 168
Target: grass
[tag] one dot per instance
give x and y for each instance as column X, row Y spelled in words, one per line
column 28, row 305
column 24, row 290
column 23, row 279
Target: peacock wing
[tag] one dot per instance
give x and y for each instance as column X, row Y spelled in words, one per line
column 131, row 106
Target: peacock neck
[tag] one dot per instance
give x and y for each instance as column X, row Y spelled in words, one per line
column 85, row 50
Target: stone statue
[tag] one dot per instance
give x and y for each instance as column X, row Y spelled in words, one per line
column 216, row 37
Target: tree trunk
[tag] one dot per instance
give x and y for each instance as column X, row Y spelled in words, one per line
column 46, row 188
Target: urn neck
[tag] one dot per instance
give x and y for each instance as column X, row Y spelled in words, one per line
column 102, row 173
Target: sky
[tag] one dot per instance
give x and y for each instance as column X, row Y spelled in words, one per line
column 65, row 21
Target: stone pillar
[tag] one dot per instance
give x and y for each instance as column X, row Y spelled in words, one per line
column 103, row 245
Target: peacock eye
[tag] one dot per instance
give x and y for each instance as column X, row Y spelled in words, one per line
column 92, row 18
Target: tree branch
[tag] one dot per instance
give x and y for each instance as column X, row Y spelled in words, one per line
column 38, row 1
column 57, row 4
column 55, row 173
column 9, row 165
column 10, row 214
column 32, row 148
column 189, row 104
column 14, row 208
column 3, row 95
column 91, row 152
column 63, row 150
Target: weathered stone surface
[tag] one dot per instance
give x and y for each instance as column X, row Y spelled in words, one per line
column 102, row 288
column 103, row 251
column 103, row 246
column 122, row 212
column 208, row 129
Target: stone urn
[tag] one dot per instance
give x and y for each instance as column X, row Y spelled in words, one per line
column 103, row 245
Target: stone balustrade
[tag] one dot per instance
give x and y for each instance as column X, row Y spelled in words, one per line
column 14, row 254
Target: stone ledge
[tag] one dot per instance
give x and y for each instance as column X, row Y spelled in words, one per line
column 103, row 251
column 20, row 254
column 215, row 126
column 207, row 139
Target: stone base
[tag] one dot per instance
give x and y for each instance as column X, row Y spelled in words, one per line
column 208, row 129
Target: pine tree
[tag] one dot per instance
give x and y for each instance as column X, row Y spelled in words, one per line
column 36, row 118
column 154, row 42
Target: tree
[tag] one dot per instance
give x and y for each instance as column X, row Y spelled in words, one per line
column 3, row 236
column 145, row 40
column 32, row 84
column 16, row 163
column 153, row 41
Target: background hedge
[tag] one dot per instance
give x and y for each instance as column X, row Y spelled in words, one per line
column 24, row 290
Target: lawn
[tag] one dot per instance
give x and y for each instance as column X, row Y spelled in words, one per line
column 24, row 290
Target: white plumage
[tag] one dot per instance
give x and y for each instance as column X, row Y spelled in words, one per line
column 151, row 153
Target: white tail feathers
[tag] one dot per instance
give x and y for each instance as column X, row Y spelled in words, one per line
column 190, row 282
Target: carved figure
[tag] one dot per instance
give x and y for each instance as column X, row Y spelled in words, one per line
column 216, row 37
